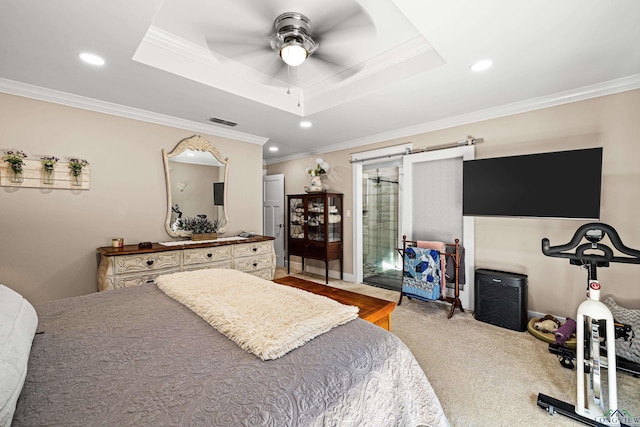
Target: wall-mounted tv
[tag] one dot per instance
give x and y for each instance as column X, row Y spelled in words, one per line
column 562, row 184
column 218, row 193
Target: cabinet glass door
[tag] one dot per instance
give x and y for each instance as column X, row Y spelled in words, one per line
column 296, row 218
column 334, row 211
column 315, row 218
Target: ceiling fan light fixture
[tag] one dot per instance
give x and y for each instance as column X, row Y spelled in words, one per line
column 293, row 40
column 293, row 53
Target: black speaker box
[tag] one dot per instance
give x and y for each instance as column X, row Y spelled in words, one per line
column 501, row 299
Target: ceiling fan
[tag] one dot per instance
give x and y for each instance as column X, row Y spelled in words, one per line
column 333, row 44
column 293, row 40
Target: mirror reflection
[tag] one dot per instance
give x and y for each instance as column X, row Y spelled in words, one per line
column 196, row 177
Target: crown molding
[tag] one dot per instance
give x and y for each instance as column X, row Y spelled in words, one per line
column 36, row 92
column 611, row 87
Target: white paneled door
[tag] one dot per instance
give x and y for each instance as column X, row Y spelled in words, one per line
column 273, row 213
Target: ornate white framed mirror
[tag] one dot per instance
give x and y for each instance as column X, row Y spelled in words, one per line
column 196, row 178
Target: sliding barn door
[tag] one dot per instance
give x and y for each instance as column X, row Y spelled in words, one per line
column 432, row 203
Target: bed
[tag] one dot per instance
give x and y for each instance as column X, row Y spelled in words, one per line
column 135, row 356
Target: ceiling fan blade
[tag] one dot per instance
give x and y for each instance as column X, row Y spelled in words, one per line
column 349, row 21
column 227, row 43
column 339, row 69
column 328, row 59
column 358, row 38
column 262, row 10
column 345, row 36
column 273, row 72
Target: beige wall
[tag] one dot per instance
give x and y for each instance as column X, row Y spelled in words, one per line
column 48, row 238
column 513, row 244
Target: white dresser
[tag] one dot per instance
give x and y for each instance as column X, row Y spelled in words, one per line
column 131, row 266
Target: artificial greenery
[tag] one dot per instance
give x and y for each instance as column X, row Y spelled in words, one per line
column 321, row 168
column 198, row 225
column 15, row 159
column 49, row 162
column 76, row 165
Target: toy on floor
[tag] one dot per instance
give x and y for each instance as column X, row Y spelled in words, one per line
column 548, row 324
column 594, row 328
column 565, row 331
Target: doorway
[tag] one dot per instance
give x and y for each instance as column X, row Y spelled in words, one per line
column 388, row 162
column 380, row 212
column 439, row 216
column 273, row 213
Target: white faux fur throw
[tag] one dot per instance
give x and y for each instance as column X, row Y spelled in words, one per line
column 262, row 317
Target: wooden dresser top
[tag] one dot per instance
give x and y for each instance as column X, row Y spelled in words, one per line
column 157, row 247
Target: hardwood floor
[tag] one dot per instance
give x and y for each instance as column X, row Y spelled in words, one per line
column 374, row 310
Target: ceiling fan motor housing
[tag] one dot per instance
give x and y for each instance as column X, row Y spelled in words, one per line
column 293, row 28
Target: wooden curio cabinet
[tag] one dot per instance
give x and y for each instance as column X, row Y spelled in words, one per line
column 315, row 228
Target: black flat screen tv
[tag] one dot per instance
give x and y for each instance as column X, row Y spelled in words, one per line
column 218, row 193
column 562, row 184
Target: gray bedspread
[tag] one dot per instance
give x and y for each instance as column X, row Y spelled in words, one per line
column 134, row 357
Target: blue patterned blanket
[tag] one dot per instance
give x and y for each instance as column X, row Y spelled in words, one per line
column 422, row 273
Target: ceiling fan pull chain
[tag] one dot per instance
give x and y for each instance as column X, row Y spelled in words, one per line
column 298, row 71
column 288, row 79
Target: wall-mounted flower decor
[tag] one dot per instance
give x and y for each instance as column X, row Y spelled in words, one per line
column 48, row 166
column 16, row 160
column 75, row 166
column 46, row 171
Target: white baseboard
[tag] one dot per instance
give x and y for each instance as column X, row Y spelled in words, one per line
column 533, row 314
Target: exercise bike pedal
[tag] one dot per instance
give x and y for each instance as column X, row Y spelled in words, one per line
column 566, row 362
column 565, row 355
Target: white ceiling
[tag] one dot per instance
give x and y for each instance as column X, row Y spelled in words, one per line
column 403, row 64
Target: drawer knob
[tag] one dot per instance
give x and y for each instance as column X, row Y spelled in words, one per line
column 254, row 249
column 150, row 262
column 209, row 255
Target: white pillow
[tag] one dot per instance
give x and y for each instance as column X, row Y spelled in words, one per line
column 629, row 317
column 18, row 322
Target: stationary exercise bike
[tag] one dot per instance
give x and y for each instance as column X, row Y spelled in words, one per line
column 594, row 323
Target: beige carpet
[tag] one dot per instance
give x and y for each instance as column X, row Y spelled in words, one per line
column 484, row 375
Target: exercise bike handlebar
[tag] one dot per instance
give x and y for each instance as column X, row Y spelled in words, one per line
column 560, row 251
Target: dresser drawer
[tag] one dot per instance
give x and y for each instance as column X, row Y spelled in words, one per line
column 138, row 279
column 147, row 262
column 206, row 255
column 218, row 264
column 249, row 264
column 255, row 248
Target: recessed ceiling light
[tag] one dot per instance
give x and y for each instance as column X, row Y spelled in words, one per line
column 273, row 148
column 482, row 65
column 305, row 124
column 90, row 58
